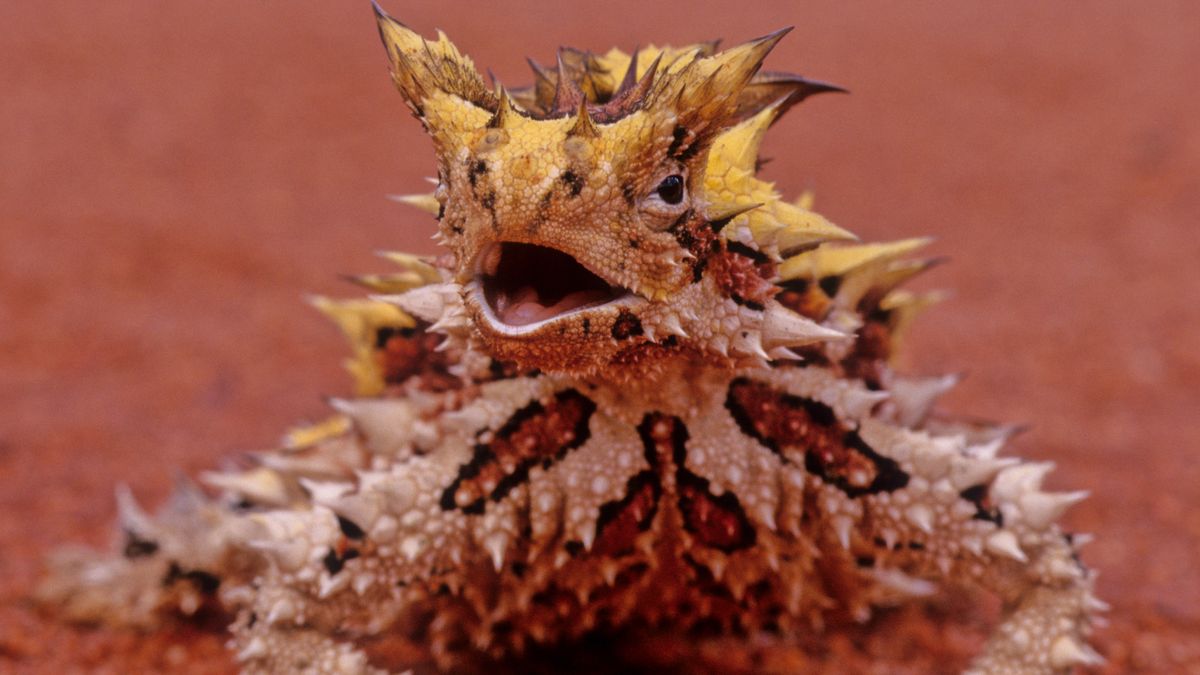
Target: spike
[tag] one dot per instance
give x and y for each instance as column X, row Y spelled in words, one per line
column 425, row 202
column 503, row 117
column 567, row 94
column 261, row 485
column 427, row 303
column 421, row 68
column 130, row 514
column 782, row 326
column 921, row 516
column 385, row 423
column 718, row 223
column 1004, row 543
column 1040, row 509
column 1067, row 652
column 583, row 126
column 842, row 526
column 629, row 97
column 977, row 471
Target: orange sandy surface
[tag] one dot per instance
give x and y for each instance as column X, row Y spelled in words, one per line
column 173, row 176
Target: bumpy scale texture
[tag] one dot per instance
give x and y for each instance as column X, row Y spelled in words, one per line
column 640, row 391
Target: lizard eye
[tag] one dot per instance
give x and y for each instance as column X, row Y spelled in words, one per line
column 670, row 190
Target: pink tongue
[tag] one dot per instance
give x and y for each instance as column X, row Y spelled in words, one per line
column 523, row 307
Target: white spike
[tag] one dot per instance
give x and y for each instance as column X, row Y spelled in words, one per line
column 331, row 584
column 921, row 516
column 256, row 648
column 782, row 326
column 384, row 423
column 1040, row 509
column 427, row 303
column 750, row 342
column 495, row 546
column 903, row 583
column 1014, row 482
column 842, row 526
column 670, row 323
column 1067, row 652
column 325, row 492
column 968, row 471
column 1004, row 543
column 261, row 485
column 288, row 556
column 719, row 344
column 282, row 610
column 130, row 514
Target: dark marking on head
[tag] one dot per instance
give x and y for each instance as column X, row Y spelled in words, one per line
column 830, row 284
column 587, row 326
column 205, row 582
column 626, row 326
column 137, row 547
column 754, row 254
column 350, row 529
column 635, row 244
column 476, row 170
column 678, row 136
column 573, row 181
column 984, row 510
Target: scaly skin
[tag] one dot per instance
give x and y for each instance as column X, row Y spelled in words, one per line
column 641, row 390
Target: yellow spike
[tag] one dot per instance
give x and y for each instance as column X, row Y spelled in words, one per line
column 503, row 118
column 803, row 228
column 806, row 200
column 410, row 262
column 837, row 260
column 425, row 202
column 904, row 307
column 739, row 145
column 360, row 321
column 389, row 283
column 422, row 68
column 309, row 435
column 704, row 91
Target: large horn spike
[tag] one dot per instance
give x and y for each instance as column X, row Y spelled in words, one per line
column 704, row 92
column 567, row 94
column 631, row 77
column 422, row 68
column 781, row 90
column 630, row 96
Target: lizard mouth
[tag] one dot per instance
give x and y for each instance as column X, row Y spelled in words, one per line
column 524, row 284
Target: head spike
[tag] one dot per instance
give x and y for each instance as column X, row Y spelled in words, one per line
column 584, row 126
column 503, row 116
column 567, row 94
column 421, row 68
column 630, row 96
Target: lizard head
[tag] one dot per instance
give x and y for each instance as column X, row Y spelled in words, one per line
column 589, row 215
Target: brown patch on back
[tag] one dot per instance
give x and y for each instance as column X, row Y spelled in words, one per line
column 405, row 353
column 806, row 431
column 535, row 434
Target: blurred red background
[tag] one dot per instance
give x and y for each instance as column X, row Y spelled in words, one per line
column 174, row 176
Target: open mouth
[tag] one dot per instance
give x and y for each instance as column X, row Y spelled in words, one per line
column 525, row 284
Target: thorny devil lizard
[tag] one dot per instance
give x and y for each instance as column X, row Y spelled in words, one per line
column 641, row 392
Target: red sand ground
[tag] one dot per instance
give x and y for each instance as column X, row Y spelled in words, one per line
column 174, row 175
